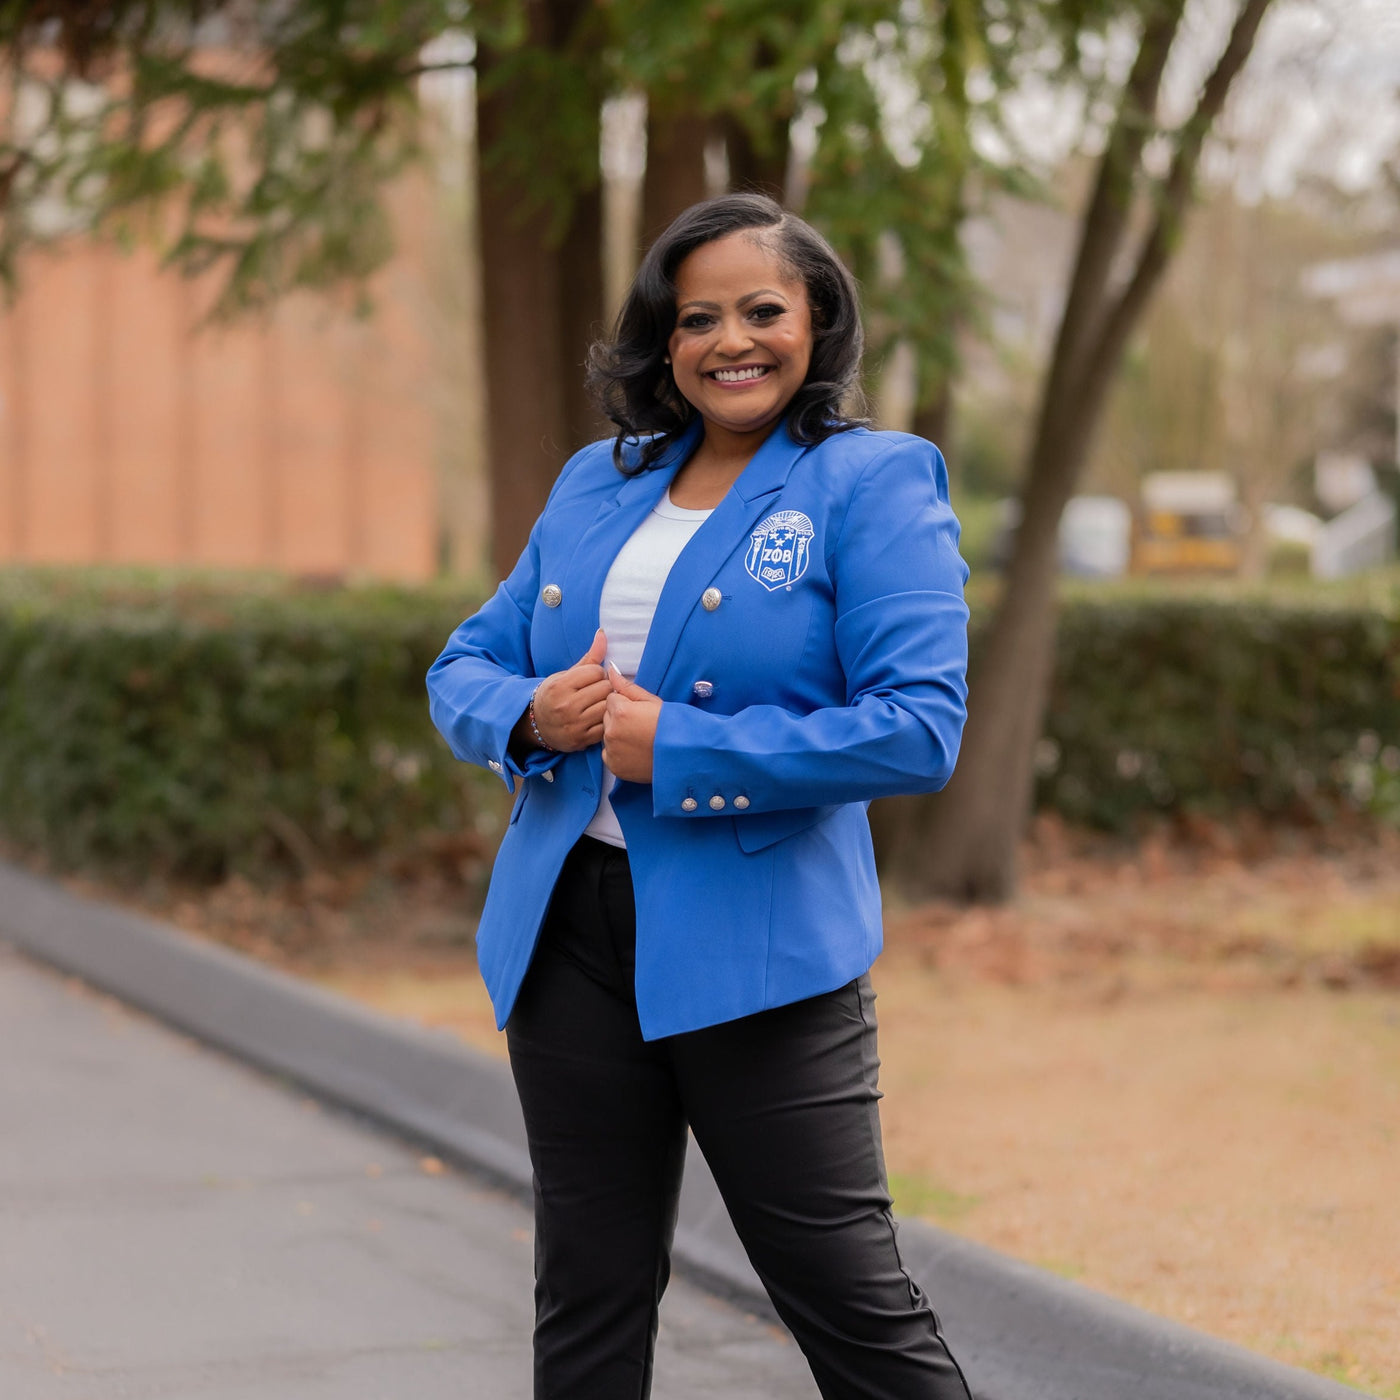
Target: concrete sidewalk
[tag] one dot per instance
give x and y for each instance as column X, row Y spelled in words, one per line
column 174, row 1224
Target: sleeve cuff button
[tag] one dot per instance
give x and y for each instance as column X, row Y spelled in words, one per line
column 742, row 803
column 493, row 765
column 717, row 803
column 689, row 805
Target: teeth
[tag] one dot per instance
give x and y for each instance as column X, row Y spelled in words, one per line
column 734, row 376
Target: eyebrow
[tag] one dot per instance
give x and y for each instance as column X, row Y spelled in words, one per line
column 743, row 300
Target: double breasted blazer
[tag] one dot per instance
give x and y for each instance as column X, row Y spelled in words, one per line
column 810, row 649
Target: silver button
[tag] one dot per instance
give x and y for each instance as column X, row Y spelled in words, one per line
column 548, row 776
column 553, row 595
column 710, row 599
column 741, row 802
column 493, row 765
column 702, row 690
column 689, row 805
column 717, row 803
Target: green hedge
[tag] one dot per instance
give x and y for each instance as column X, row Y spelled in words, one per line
column 1163, row 704
column 184, row 728
column 196, row 727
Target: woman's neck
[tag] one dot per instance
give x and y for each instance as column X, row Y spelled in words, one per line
column 714, row 467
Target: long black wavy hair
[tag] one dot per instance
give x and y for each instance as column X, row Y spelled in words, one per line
column 628, row 375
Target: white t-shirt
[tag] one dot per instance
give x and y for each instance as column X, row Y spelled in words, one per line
column 627, row 606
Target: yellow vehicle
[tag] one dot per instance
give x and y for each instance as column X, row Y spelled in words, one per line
column 1189, row 523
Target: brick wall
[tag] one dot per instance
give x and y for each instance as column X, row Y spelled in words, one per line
column 304, row 441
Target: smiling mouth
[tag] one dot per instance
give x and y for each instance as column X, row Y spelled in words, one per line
column 739, row 376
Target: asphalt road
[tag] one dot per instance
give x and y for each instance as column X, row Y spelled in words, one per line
column 174, row 1224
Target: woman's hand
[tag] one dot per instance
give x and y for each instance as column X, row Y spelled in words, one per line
column 569, row 704
column 629, row 728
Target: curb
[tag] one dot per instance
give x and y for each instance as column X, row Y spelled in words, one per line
column 1019, row 1332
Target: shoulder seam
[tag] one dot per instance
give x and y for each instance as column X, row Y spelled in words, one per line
column 876, row 458
column 577, row 460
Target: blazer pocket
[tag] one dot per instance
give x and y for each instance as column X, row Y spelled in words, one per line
column 764, row 828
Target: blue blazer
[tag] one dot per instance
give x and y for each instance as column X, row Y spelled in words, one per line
column 810, row 647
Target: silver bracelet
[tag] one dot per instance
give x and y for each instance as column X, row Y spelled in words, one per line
column 534, row 728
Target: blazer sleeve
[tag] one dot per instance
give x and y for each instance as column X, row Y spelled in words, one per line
column 482, row 683
column 901, row 636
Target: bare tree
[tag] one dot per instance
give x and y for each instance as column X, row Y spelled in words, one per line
column 965, row 841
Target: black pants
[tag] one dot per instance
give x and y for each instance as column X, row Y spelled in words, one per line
column 783, row 1105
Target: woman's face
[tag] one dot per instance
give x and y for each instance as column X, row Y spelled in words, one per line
column 743, row 337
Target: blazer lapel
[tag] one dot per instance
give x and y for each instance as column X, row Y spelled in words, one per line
column 617, row 518
column 711, row 545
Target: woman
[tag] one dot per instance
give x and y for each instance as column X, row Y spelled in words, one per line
column 733, row 626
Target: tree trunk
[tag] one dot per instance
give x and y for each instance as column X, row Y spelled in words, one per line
column 754, row 167
column 934, row 420
column 541, row 303
column 964, row 842
column 526, row 418
column 580, row 318
column 675, row 173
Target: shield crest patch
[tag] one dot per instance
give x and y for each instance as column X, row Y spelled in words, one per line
column 779, row 549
